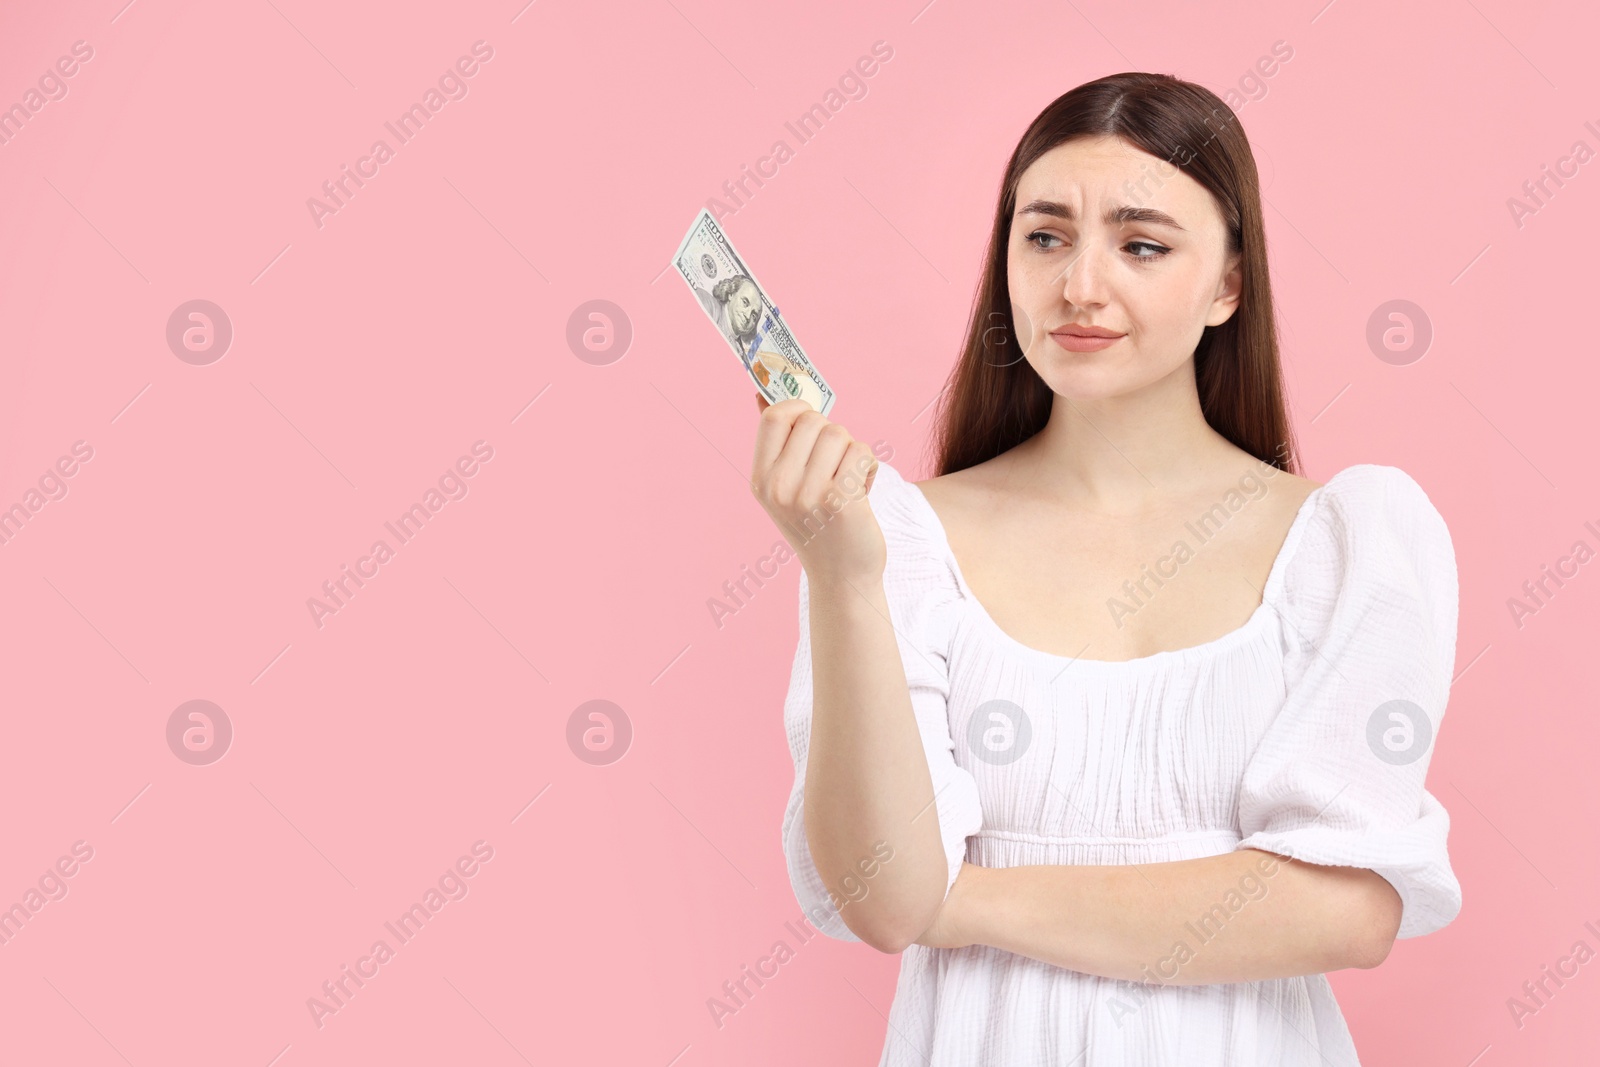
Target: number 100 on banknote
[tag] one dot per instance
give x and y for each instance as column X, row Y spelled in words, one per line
column 746, row 317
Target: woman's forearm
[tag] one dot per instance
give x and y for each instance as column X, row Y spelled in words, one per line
column 867, row 779
column 1239, row 917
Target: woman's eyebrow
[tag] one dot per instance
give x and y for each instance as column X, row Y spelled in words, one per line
column 1117, row 216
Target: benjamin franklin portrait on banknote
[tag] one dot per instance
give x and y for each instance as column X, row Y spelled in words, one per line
column 734, row 304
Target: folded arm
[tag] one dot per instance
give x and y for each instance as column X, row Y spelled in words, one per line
column 1242, row 916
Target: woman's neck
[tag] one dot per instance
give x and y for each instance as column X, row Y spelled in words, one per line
column 1129, row 454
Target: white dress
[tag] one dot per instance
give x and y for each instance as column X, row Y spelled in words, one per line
column 1306, row 732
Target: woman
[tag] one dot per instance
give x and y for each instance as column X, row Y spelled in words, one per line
column 1118, row 727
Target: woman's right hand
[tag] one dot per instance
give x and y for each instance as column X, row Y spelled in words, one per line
column 813, row 478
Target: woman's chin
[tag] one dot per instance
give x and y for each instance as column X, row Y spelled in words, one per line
column 1093, row 383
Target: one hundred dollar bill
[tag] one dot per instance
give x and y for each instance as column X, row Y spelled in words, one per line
column 746, row 317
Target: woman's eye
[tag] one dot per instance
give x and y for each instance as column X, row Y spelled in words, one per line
column 1038, row 237
column 1157, row 250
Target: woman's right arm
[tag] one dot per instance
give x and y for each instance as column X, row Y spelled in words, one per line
column 867, row 781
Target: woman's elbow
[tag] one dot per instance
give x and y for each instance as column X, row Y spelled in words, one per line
column 1384, row 910
column 886, row 941
column 891, row 939
column 893, row 930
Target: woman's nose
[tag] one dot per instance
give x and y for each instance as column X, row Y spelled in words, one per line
column 1083, row 277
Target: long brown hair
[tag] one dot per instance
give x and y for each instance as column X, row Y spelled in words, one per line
column 995, row 400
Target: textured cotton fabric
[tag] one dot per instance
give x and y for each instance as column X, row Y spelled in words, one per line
column 1280, row 735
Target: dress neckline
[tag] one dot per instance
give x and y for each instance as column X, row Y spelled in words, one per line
column 1257, row 617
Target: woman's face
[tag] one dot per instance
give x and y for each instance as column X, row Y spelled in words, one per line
column 1107, row 235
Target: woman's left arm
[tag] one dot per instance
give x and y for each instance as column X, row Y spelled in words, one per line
column 1242, row 916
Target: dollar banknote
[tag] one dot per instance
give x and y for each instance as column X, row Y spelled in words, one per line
column 747, row 318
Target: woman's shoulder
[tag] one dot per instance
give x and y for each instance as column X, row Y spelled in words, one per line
column 914, row 509
column 978, row 488
column 918, row 552
column 901, row 509
column 1373, row 496
column 1370, row 524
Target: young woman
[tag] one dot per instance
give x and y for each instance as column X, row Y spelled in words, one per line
column 1117, row 728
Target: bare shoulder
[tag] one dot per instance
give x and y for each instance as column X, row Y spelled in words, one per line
column 977, row 486
column 1291, row 488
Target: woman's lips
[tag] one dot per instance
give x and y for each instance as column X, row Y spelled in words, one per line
column 1078, row 343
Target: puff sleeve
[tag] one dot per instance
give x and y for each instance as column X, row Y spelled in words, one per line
column 1370, row 603
column 919, row 586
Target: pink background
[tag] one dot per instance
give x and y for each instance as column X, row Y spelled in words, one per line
column 371, row 352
